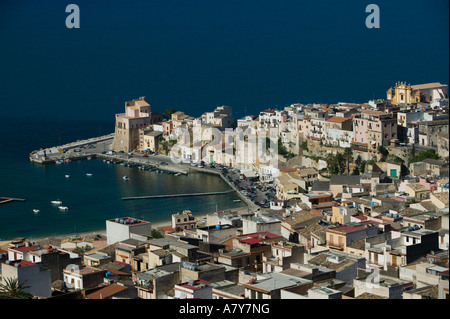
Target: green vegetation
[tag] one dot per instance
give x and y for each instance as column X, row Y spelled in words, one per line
column 384, row 153
column 423, row 155
column 281, row 149
column 304, row 146
column 340, row 163
column 12, row 288
column 82, row 250
column 156, row 233
column 336, row 164
column 168, row 113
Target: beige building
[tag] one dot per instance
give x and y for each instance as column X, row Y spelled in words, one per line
column 148, row 139
column 372, row 129
column 137, row 116
column 417, row 191
column 184, row 220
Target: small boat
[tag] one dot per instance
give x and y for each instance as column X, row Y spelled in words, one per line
column 88, row 174
column 67, row 176
column 125, row 178
column 89, row 158
column 63, row 207
column 57, row 202
column 177, row 174
column 36, row 211
column 236, row 200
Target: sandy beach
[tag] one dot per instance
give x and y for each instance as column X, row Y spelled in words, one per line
column 92, row 234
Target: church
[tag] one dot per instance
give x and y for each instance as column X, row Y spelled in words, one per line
column 407, row 93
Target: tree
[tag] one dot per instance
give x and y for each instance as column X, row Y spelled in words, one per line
column 348, row 156
column 156, row 233
column 168, row 112
column 304, row 146
column 341, row 163
column 14, row 289
column 423, row 155
column 383, row 151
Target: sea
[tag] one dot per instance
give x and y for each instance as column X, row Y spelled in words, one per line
column 60, row 84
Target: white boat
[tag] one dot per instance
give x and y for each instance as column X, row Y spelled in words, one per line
column 88, row 174
column 36, row 211
column 125, row 178
column 177, row 174
column 63, row 207
column 67, row 176
column 236, row 200
column 57, row 202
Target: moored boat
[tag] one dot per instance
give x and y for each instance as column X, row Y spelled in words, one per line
column 63, row 207
column 57, row 202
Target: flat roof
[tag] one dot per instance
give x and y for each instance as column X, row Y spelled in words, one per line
column 130, row 220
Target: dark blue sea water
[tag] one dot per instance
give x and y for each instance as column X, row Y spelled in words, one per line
column 90, row 199
column 59, row 84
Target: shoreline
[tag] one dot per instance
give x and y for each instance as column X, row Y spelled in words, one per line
column 101, row 232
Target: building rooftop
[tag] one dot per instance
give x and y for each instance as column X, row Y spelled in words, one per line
column 194, row 284
column 129, row 221
column 106, row 292
column 275, row 281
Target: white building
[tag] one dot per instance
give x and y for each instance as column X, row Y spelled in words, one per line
column 198, row 289
column 120, row 229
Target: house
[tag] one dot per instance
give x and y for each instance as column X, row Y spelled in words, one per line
column 429, row 132
column 207, row 271
column 183, row 220
column 342, row 214
column 37, row 279
column 127, row 249
column 213, row 234
column 342, row 184
column 120, row 229
column 96, row 259
column 83, row 277
column 227, row 290
column 345, row 265
column 430, row 274
column 340, row 236
column 281, row 255
column 372, row 129
column 417, row 191
column 262, row 223
column 148, row 139
column 379, row 285
column 193, row 289
column 269, row 286
column 400, row 248
column 440, row 200
column 158, row 282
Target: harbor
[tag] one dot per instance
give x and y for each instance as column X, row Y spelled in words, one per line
column 100, row 148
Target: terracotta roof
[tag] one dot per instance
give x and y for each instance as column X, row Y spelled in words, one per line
column 337, row 119
column 168, row 229
column 427, row 85
column 106, row 292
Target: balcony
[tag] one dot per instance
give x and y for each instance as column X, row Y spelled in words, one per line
column 336, row 246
